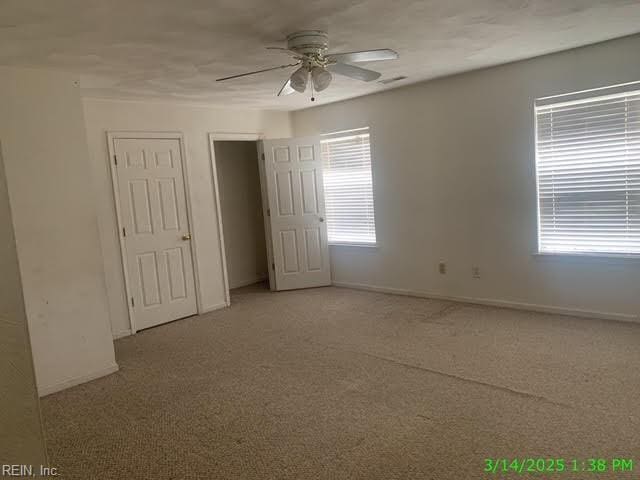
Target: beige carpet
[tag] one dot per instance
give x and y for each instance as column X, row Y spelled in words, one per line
column 334, row 383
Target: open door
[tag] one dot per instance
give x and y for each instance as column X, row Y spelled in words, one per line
column 293, row 200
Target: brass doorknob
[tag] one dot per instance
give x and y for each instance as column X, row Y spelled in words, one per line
column 186, row 237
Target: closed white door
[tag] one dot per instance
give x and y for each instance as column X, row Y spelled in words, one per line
column 156, row 235
column 295, row 210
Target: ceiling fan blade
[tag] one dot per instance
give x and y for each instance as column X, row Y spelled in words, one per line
column 257, row 71
column 352, row 71
column 286, row 88
column 364, row 56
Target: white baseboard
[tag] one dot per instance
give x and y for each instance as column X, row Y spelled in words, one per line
column 251, row 281
column 72, row 382
column 123, row 333
column 207, row 309
column 212, row 308
column 574, row 312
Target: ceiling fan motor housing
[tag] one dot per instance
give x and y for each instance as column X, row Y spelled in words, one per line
column 308, row 42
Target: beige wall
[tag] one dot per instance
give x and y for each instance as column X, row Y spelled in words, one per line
column 21, row 438
column 454, row 181
column 241, row 205
column 195, row 123
column 52, row 199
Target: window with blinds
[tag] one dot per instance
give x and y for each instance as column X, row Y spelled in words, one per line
column 348, row 187
column 588, row 172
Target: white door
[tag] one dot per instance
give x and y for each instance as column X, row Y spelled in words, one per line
column 157, row 241
column 295, row 213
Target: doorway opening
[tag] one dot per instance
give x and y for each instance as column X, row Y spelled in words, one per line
column 241, row 211
column 288, row 192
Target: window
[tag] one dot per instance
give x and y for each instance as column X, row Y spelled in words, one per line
column 588, row 172
column 348, row 187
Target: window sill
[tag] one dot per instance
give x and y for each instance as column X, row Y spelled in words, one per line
column 358, row 245
column 587, row 257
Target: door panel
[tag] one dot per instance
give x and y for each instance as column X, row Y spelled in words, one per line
column 153, row 211
column 308, row 182
column 313, row 244
column 148, row 278
column 140, row 206
column 284, row 186
column 295, row 194
column 176, row 269
column 168, row 204
column 289, row 246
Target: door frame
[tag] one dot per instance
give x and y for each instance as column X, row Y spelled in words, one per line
column 234, row 137
column 113, row 135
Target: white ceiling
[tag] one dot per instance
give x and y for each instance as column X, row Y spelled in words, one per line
column 174, row 49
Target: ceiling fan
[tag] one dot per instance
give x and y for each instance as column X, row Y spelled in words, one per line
column 309, row 50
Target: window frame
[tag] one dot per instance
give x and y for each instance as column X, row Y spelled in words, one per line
column 585, row 95
column 339, row 243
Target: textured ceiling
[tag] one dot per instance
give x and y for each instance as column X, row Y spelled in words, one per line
column 173, row 49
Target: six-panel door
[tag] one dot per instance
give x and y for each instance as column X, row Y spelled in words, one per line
column 293, row 174
column 153, row 213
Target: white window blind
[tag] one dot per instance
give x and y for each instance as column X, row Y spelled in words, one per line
column 348, row 187
column 588, row 172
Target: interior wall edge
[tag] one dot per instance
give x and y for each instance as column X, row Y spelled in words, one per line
column 22, row 438
column 55, row 218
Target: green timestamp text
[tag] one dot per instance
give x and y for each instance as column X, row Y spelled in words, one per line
column 533, row 465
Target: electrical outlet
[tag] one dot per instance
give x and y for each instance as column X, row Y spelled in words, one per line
column 442, row 268
column 475, row 272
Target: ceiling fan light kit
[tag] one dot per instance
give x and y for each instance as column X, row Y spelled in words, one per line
column 309, row 49
column 299, row 79
column 321, row 78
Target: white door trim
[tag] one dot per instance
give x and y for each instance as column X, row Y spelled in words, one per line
column 226, row 136
column 112, row 135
